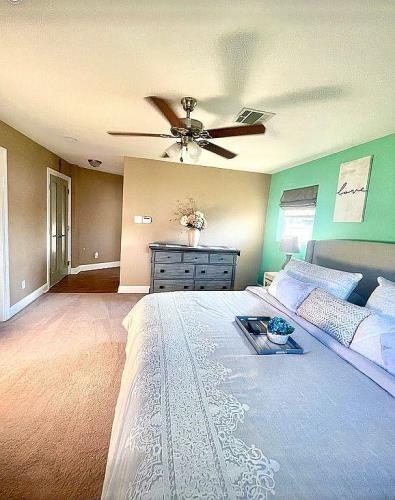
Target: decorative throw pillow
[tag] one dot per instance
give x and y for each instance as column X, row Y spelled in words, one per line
column 388, row 351
column 335, row 316
column 382, row 299
column 289, row 291
column 338, row 283
column 375, row 339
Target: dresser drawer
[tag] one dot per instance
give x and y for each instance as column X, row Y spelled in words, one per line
column 168, row 257
column 196, row 257
column 180, row 271
column 224, row 272
column 222, row 258
column 213, row 285
column 172, row 285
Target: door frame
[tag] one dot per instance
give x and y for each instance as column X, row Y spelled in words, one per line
column 4, row 249
column 50, row 172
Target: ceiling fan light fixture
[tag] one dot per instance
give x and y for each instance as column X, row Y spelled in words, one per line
column 193, row 151
column 174, row 151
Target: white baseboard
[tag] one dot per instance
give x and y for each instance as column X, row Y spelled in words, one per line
column 92, row 267
column 133, row 289
column 27, row 300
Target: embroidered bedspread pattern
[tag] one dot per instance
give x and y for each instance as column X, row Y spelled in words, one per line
column 184, row 430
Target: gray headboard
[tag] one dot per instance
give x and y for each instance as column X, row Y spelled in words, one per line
column 372, row 259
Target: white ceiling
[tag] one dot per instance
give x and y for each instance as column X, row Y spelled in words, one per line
column 79, row 68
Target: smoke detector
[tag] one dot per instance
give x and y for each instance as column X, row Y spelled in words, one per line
column 252, row 116
column 95, row 163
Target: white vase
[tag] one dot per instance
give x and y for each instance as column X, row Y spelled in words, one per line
column 193, row 236
column 277, row 339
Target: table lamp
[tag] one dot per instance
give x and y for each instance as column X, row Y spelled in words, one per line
column 289, row 246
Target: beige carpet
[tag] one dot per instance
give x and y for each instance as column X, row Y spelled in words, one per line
column 61, row 360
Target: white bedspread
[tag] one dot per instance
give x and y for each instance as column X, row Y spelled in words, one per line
column 199, row 415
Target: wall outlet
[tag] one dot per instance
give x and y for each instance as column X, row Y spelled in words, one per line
column 96, row 255
column 23, row 284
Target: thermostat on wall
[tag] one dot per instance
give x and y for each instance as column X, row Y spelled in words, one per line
column 142, row 219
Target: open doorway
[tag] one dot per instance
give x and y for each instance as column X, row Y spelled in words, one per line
column 58, row 226
column 4, row 262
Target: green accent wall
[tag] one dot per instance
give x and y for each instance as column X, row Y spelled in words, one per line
column 379, row 220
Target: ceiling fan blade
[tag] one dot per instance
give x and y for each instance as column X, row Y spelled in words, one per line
column 139, row 134
column 166, row 109
column 238, row 130
column 214, row 148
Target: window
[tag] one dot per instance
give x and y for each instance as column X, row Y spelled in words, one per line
column 298, row 211
column 298, row 222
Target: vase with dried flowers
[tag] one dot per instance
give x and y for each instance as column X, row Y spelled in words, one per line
column 190, row 217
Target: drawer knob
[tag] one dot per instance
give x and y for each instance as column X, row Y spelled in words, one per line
column 161, row 287
column 162, row 270
column 203, row 271
column 201, row 287
column 187, row 270
column 224, row 287
column 186, row 287
column 226, row 272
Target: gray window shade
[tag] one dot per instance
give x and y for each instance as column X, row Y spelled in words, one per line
column 302, row 197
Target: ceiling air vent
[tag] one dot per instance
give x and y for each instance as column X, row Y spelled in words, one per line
column 253, row 116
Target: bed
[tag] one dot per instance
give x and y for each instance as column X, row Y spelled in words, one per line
column 199, row 415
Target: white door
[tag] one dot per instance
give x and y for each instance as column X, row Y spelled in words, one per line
column 4, row 277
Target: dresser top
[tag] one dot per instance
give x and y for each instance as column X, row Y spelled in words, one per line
column 169, row 247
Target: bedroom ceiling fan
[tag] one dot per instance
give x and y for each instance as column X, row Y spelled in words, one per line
column 190, row 134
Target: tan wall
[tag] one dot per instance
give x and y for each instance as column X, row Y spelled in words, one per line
column 233, row 201
column 99, row 198
column 27, row 164
column 97, row 216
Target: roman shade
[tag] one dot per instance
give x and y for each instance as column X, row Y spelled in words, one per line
column 298, row 198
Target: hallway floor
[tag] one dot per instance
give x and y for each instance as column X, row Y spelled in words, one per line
column 98, row 281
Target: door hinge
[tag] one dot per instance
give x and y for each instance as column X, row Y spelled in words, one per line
column 68, row 191
column 68, row 262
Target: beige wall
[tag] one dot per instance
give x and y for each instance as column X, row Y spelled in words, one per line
column 233, row 201
column 27, row 164
column 96, row 211
column 97, row 216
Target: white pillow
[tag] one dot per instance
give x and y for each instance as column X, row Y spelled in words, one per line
column 382, row 299
column 373, row 340
column 289, row 291
column 338, row 283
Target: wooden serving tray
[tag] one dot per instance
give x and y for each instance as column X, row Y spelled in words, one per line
column 260, row 342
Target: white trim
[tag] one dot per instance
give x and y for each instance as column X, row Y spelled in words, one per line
column 133, row 289
column 92, row 267
column 50, row 172
column 4, row 255
column 28, row 299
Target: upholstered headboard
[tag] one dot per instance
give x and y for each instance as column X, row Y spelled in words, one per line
column 372, row 259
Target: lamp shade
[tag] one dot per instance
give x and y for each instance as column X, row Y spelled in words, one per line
column 174, row 151
column 290, row 245
column 193, row 150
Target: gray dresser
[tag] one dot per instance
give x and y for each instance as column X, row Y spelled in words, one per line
column 179, row 267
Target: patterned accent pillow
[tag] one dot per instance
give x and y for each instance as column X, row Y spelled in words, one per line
column 338, row 283
column 382, row 299
column 332, row 315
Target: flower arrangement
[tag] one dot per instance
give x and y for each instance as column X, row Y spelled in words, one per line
column 279, row 326
column 189, row 216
